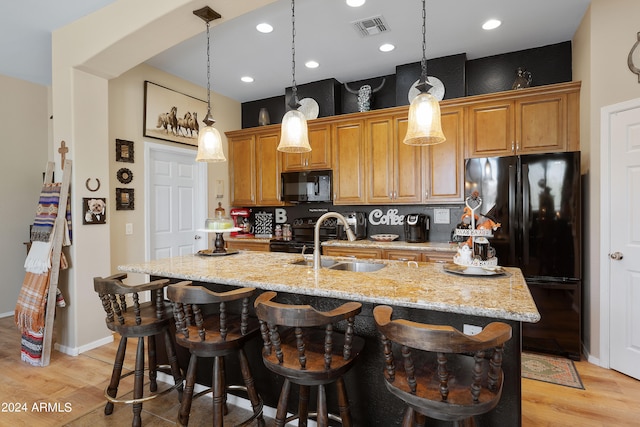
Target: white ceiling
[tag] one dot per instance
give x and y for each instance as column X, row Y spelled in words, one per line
column 323, row 33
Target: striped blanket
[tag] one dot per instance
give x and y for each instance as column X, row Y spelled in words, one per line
column 47, row 211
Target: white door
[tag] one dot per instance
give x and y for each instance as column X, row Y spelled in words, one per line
column 621, row 257
column 177, row 198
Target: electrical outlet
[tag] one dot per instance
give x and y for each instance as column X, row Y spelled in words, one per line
column 441, row 216
column 471, row 329
column 128, row 228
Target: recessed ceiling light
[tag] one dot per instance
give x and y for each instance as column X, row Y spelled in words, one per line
column 247, row 79
column 264, row 28
column 312, row 64
column 355, row 3
column 491, row 24
column 387, row 47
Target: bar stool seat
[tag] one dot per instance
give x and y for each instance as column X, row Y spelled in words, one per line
column 300, row 344
column 442, row 373
column 132, row 319
column 215, row 336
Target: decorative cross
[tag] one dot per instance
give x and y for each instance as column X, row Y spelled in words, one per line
column 63, row 150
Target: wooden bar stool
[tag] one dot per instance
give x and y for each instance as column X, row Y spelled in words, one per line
column 444, row 373
column 214, row 336
column 301, row 346
column 132, row 319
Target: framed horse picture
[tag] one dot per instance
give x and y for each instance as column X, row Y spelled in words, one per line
column 171, row 115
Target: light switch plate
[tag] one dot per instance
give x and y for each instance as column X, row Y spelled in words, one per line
column 441, row 216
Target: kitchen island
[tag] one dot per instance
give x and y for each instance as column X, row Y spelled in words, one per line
column 418, row 291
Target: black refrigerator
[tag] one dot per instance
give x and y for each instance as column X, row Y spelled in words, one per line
column 536, row 199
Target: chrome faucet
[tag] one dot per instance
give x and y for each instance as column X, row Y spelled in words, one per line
column 316, row 236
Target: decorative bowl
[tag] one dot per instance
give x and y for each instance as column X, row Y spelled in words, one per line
column 384, row 237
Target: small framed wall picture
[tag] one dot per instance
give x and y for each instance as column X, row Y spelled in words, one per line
column 124, row 199
column 124, row 151
column 124, row 175
column 95, row 210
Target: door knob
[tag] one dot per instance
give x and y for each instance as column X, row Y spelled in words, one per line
column 198, row 237
column 616, row 256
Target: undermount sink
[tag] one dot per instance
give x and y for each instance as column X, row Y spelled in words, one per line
column 358, row 266
column 355, row 266
column 326, row 263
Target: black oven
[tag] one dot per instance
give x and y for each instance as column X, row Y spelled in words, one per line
column 302, row 239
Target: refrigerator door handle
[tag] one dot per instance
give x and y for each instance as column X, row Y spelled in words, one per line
column 526, row 212
column 513, row 224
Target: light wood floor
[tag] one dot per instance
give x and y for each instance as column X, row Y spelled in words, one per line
column 610, row 399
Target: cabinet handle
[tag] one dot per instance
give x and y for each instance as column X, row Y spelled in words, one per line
column 513, row 146
column 517, row 146
column 391, row 195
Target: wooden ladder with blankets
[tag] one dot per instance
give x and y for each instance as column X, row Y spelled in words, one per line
column 56, row 253
column 37, row 299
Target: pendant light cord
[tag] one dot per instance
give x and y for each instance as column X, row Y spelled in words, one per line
column 208, row 72
column 294, row 96
column 424, row 41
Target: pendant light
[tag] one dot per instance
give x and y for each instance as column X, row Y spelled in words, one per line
column 209, row 139
column 424, row 127
column 294, row 135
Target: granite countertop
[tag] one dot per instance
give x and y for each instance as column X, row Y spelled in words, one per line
column 396, row 244
column 421, row 285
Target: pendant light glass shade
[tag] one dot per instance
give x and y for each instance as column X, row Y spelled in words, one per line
column 209, row 139
column 294, row 134
column 210, row 146
column 424, row 126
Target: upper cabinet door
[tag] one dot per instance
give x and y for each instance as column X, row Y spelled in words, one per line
column 348, row 170
column 268, row 170
column 320, row 155
column 242, row 170
column 444, row 176
column 408, row 165
column 541, row 124
column 491, row 129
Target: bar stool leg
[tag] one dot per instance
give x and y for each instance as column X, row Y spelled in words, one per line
column 153, row 364
column 173, row 362
column 187, row 397
column 112, row 390
column 323, row 416
column 303, row 405
column 218, row 392
column 281, row 411
column 343, row 403
column 250, row 384
column 138, row 383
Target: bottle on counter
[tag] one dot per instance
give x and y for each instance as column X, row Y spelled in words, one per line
column 278, row 231
column 286, row 232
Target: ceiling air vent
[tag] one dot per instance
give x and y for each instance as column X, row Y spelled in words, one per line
column 371, row 26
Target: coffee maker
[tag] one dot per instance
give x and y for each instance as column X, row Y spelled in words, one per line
column 241, row 220
column 357, row 222
column 416, row 228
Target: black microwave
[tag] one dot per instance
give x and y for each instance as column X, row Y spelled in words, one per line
column 307, row 186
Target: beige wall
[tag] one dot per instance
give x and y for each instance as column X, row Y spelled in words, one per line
column 600, row 51
column 126, row 103
column 24, row 119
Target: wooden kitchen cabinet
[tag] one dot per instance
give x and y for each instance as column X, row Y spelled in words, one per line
column 535, row 120
column 393, row 169
column 255, row 168
column 348, row 162
column 401, row 255
column 437, row 256
column 360, row 253
column 318, row 158
column 443, row 163
column 248, row 245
